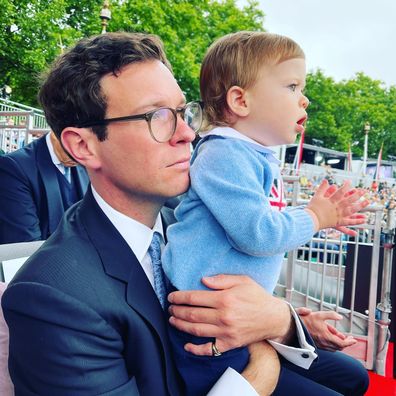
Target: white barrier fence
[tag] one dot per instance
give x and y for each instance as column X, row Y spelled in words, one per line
column 19, row 124
column 343, row 274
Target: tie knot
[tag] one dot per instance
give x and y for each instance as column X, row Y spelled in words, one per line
column 156, row 238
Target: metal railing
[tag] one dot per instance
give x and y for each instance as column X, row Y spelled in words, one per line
column 329, row 273
column 39, row 121
column 19, row 124
column 384, row 308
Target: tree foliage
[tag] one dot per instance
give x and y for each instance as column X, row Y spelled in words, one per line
column 34, row 32
column 339, row 111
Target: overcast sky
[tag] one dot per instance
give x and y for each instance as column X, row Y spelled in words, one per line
column 341, row 37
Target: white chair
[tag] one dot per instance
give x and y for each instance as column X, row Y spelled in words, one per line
column 12, row 255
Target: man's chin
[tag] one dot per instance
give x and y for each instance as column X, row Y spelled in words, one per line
column 177, row 191
column 181, row 190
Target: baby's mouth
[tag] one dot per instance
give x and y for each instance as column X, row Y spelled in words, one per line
column 301, row 123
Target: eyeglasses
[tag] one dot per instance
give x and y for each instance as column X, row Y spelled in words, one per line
column 162, row 122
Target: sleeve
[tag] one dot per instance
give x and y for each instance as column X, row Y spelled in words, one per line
column 231, row 383
column 305, row 354
column 19, row 219
column 58, row 345
column 229, row 179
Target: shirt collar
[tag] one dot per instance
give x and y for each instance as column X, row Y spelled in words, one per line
column 233, row 133
column 137, row 235
column 54, row 158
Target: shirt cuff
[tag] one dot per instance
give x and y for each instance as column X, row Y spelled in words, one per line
column 303, row 356
column 231, row 383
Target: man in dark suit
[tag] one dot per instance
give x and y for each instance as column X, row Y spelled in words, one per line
column 39, row 182
column 84, row 312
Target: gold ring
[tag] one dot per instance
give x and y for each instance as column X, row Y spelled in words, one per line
column 215, row 351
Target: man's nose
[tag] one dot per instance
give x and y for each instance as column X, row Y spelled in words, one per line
column 183, row 132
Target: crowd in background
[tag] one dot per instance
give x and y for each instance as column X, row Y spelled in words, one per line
column 380, row 193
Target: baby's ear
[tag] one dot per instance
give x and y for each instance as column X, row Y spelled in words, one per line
column 236, row 101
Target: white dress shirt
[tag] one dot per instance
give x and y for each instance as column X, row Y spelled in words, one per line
column 138, row 236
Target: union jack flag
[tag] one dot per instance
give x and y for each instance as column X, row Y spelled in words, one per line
column 277, row 195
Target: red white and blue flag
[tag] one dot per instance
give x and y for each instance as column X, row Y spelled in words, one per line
column 277, row 197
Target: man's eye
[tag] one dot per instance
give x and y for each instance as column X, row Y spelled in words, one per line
column 160, row 114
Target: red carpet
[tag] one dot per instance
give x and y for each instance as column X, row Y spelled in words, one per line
column 383, row 386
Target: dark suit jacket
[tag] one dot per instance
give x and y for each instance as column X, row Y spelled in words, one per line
column 31, row 204
column 83, row 317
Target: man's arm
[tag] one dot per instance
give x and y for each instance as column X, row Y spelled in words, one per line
column 18, row 213
column 252, row 382
column 238, row 313
column 59, row 346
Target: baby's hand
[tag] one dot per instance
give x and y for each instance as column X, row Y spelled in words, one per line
column 337, row 207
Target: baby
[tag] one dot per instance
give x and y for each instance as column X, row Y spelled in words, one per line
column 231, row 219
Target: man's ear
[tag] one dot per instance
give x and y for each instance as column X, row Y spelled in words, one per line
column 81, row 144
column 236, row 101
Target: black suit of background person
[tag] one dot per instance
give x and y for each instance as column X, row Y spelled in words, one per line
column 34, row 192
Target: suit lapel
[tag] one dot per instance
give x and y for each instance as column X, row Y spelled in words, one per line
column 121, row 263
column 49, row 177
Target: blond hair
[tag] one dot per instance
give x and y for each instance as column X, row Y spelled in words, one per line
column 236, row 59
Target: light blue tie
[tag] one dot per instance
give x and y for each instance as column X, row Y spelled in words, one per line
column 159, row 280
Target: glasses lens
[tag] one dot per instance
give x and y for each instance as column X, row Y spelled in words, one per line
column 193, row 116
column 162, row 123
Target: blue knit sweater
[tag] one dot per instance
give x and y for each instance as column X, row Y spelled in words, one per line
column 225, row 221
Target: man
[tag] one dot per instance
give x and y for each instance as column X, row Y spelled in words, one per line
column 39, row 182
column 83, row 315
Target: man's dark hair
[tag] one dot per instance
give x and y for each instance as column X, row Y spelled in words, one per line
column 71, row 93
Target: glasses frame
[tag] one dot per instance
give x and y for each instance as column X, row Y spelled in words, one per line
column 147, row 117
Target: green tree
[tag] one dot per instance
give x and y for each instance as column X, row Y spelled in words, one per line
column 34, row 32
column 322, row 123
column 339, row 111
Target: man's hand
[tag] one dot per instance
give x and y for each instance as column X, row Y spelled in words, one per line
column 262, row 371
column 325, row 335
column 238, row 312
